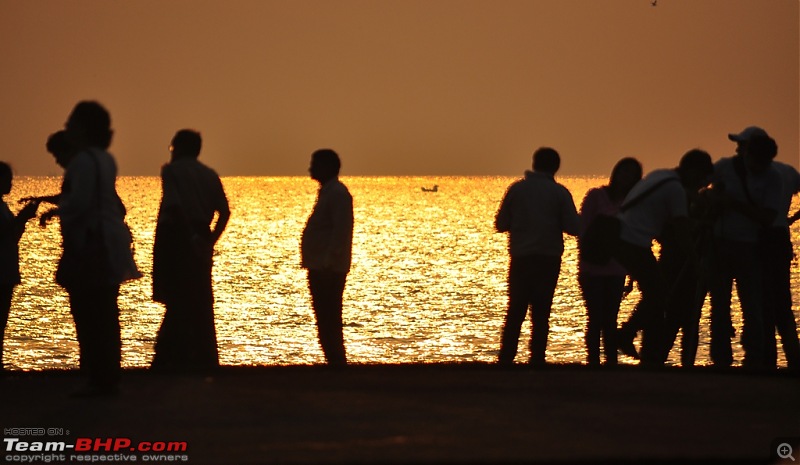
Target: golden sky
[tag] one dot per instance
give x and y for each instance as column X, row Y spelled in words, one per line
column 461, row 87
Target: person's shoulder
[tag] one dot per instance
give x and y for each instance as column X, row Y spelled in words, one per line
column 80, row 161
column 723, row 163
column 340, row 188
column 596, row 193
column 725, row 160
column 201, row 167
column 520, row 182
column 785, row 169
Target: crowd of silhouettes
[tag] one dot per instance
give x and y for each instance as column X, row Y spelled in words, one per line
column 716, row 224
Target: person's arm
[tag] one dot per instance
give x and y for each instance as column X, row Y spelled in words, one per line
column 794, row 217
column 21, row 219
column 53, row 199
column 570, row 221
column 503, row 219
column 222, row 221
column 82, row 176
column 223, row 213
column 763, row 216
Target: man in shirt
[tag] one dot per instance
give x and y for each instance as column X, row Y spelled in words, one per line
column 326, row 249
column 660, row 199
column 535, row 211
column 182, row 258
column 748, row 190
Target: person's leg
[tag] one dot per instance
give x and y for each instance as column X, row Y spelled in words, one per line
column 680, row 278
column 787, row 329
column 612, row 298
column 778, row 312
column 749, row 289
column 721, row 289
column 203, row 335
column 643, row 267
column 97, row 325
column 627, row 333
column 691, row 330
column 6, row 294
column 327, row 289
column 592, row 290
column 518, row 302
column 545, row 271
column 110, row 334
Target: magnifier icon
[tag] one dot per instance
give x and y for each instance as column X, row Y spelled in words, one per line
column 785, row 451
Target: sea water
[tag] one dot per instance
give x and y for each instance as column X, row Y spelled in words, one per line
column 428, row 282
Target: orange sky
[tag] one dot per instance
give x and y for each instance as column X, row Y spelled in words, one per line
column 462, row 87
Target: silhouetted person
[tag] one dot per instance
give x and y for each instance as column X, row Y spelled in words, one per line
column 748, row 190
column 535, row 211
column 11, row 228
column 658, row 202
column 326, row 250
column 63, row 153
column 776, row 252
column 97, row 255
column 602, row 286
column 679, row 264
column 182, row 258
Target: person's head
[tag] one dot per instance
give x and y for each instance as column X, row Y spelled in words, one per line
column 186, row 144
column 89, row 125
column 759, row 151
column 5, row 178
column 695, row 169
column 60, row 148
column 546, row 160
column 744, row 137
column 325, row 165
column 626, row 173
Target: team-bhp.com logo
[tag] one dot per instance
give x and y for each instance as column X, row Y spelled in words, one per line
column 120, row 449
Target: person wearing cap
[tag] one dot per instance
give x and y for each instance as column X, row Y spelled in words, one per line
column 747, row 191
column 536, row 211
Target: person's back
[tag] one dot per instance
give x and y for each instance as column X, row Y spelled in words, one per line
column 195, row 188
column 536, row 212
column 662, row 199
column 659, row 199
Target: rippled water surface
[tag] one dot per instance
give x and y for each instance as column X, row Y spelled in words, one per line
column 427, row 283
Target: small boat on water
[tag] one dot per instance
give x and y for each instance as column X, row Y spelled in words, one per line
column 435, row 188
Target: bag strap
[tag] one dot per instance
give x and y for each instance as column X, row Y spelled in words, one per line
column 741, row 172
column 646, row 193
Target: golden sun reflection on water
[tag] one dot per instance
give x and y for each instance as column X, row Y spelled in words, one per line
column 427, row 283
